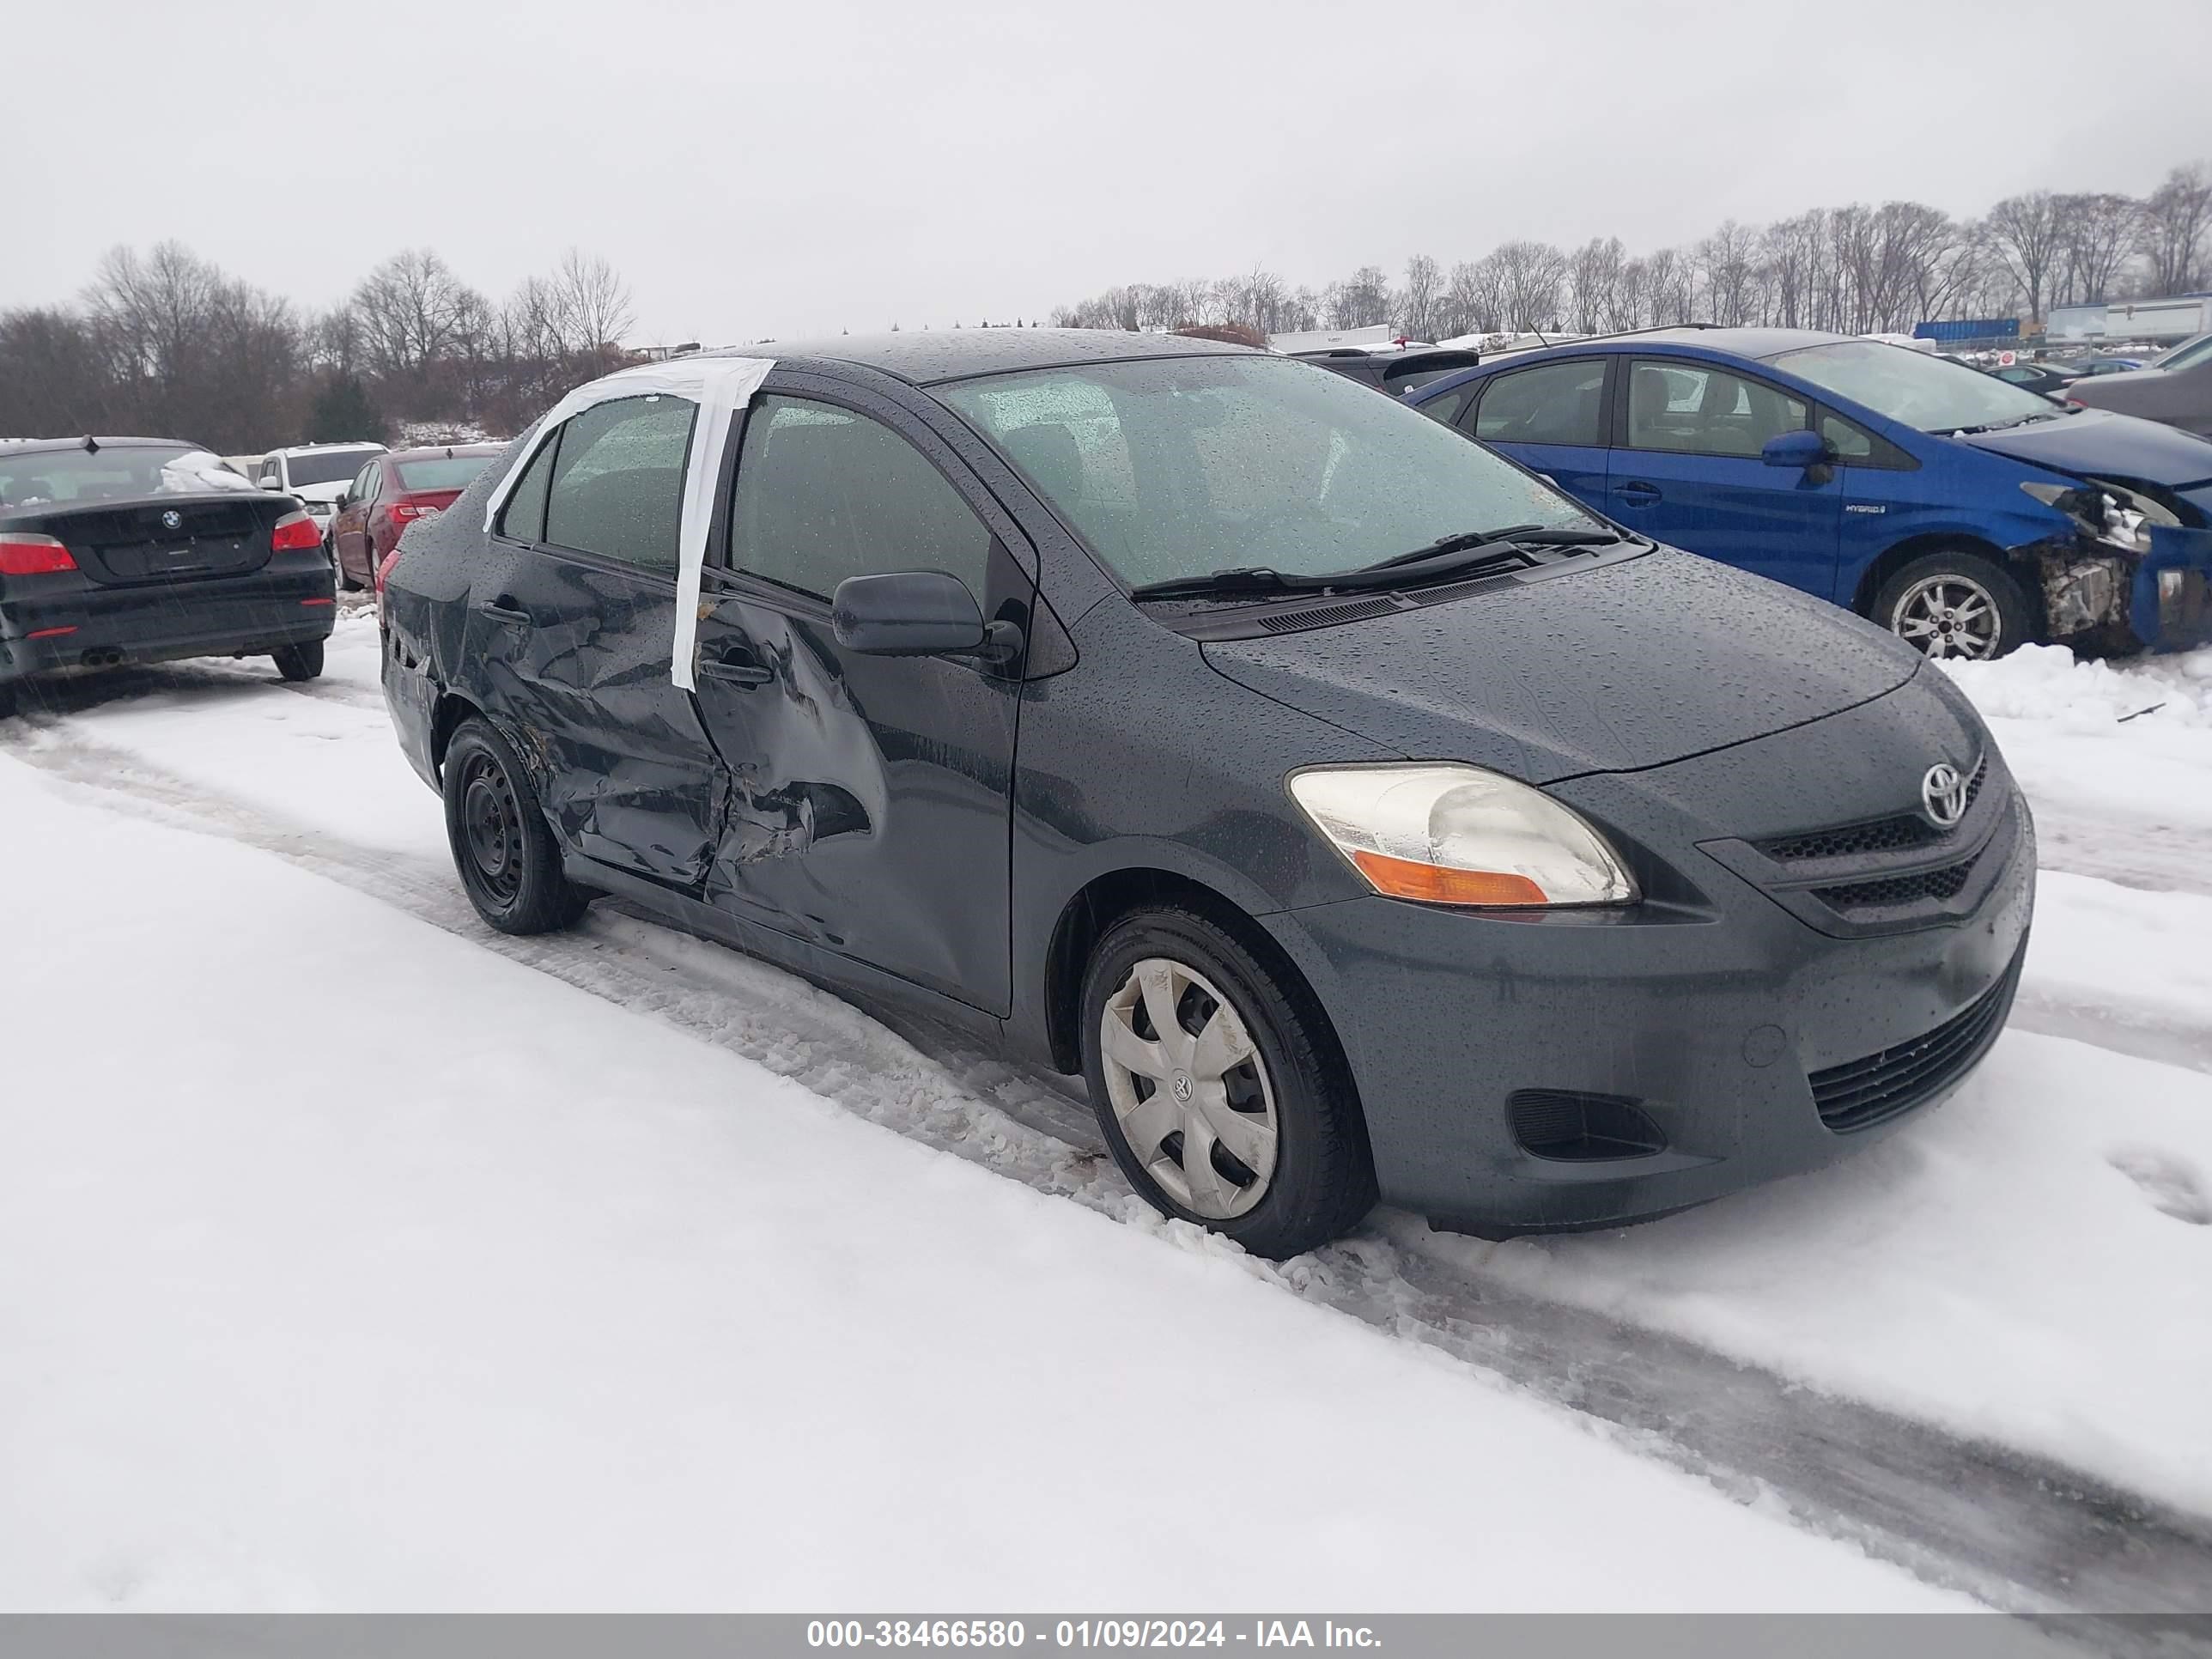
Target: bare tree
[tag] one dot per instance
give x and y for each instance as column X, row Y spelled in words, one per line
column 1531, row 276
column 1360, row 300
column 1419, row 302
column 409, row 308
column 593, row 303
column 1727, row 264
column 2023, row 232
column 1594, row 278
column 2175, row 220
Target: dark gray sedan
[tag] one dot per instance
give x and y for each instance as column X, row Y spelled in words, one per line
column 1354, row 811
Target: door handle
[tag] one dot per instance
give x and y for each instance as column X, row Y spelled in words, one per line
column 505, row 609
column 734, row 671
column 1638, row 493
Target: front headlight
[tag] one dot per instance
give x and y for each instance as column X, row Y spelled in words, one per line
column 2114, row 516
column 1450, row 834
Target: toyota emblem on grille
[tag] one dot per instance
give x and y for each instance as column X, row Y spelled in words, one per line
column 1943, row 795
column 172, row 519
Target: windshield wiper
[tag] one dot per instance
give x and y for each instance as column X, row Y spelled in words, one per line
column 1468, row 541
column 1440, row 558
column 1243, row 578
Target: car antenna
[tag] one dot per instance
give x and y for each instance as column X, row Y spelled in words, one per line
column 91, row 445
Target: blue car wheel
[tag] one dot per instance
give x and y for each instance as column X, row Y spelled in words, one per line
column 1955, row 605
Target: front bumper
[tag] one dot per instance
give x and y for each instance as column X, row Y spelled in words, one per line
column 1716, row 1023
column 2169, row 599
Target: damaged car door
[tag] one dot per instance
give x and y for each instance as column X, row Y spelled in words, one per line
column 870, row 799
column 577, row 630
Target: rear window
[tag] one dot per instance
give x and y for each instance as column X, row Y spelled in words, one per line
column 61, row 475
column 446, row 472
column 326, row 465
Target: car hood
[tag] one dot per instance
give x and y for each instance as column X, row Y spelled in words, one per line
column 1629, row 665
column 2102, row 443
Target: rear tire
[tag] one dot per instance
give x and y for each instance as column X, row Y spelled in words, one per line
column 1956, row 603
column 1244, row 1118
column 299, row 662
column 504, row 850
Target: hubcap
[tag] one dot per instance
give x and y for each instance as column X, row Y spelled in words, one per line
column 1950, row 616
column 491, row 824
column 1188, row 1089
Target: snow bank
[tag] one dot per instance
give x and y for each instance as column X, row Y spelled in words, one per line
column 2049, row 684
column 515, row 1299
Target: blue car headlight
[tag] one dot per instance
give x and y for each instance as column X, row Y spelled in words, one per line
column 2108, row 512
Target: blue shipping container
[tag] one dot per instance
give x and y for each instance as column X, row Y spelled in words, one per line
column 1972, row 328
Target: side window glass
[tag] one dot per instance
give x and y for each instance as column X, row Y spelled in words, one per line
column 1697, row 410
column 617, row 485
column 824, row 494
column 524, row 516
column 1854, row 446
column 371, row 482
column 1550, row 404
column 1447, row 409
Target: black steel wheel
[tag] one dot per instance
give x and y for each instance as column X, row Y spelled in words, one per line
column 508, row 861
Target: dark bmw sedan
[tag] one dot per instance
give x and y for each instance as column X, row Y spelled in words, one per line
column 117, row 550
column 1355, row 812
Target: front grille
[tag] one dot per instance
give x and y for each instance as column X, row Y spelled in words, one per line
column 1935, row 886
column 1895, row 834
column 1862, row 1093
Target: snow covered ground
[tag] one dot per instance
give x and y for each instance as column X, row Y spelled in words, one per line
column 552, row 1303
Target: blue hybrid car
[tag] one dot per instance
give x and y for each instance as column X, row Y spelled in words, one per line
column 1965, row 515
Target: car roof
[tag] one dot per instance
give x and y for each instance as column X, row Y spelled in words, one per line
column 926, row 356
column 440, row 452
column 52, row 445
column 1757, row 344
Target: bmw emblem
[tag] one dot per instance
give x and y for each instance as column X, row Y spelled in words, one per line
column 1943, row 795
column 172, row 519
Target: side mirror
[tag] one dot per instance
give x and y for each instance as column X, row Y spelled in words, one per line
column 1797, row 449
column 269, row 481
column 907, row 613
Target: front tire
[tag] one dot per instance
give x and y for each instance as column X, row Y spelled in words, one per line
column 509, row 863
column 1956, row 603
column 7, row 699
column 300, row 662
column 1218, row 1086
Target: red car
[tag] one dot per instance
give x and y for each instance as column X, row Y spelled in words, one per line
column 389, row 494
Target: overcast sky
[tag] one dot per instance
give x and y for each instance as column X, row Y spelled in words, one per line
column 774, row 171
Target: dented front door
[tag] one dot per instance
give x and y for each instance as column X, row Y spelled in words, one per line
column 869, row 801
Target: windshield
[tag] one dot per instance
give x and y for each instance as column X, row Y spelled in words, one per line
column 446, row 472
column 2188, row 352
column 325, row 465
column 59, row 477
column 1184, row 465
column 1910, row 386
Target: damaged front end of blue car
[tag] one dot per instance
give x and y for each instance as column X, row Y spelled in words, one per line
column 2131, row 563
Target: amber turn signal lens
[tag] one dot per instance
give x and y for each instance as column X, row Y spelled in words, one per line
column 1433, row 885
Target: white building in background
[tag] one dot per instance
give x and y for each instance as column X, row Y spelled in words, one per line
column 2154, row 322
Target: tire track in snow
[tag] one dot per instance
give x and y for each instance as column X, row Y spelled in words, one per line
column 2019, row 1532
column 2135, row 852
